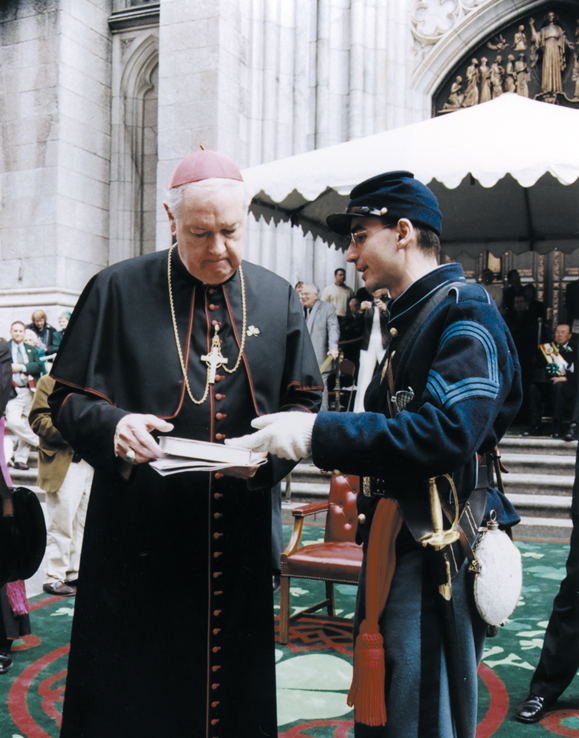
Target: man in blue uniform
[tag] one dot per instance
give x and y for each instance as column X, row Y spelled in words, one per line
column 447, row 389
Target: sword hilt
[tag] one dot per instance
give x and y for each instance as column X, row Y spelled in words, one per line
column 440, row 538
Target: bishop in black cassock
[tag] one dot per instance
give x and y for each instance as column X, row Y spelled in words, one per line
column 173, row 631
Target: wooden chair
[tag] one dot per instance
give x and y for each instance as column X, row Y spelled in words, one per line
column 337, row 559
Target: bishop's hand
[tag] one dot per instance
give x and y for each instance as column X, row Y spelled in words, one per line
column 133, row 440
column 287, row 435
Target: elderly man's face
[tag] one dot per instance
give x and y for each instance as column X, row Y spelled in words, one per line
column 308, row 296
column 562, row 334
column 210, row 234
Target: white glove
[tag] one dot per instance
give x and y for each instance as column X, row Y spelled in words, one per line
column 287, row 435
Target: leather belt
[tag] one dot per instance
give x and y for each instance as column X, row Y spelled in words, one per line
column 376, row 487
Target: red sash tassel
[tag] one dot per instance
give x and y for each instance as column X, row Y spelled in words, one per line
column 366, row 694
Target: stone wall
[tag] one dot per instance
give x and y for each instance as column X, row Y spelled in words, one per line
column 55, row 143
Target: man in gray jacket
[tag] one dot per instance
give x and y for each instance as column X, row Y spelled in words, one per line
column 322, row 324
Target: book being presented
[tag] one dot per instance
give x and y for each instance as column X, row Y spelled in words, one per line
column 185, row 455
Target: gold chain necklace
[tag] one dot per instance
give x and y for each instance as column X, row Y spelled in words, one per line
column 214, row 358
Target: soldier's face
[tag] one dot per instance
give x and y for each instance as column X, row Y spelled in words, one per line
column 210, row 233
column 374, row 252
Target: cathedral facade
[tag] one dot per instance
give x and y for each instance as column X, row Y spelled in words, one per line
column 101, row 98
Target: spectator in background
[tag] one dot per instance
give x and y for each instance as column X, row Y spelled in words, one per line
column 524, row 333
column 322, row 324
column 513, row 288
column 43, row 329
column 537, row 312
column 14, row 607
column 559, row 659
column 31, row 339
column 63, row 319
column 495, row 289
column 351, row 332
column 338, row 294
column 559, row 358
column 26, row 369
column 67, row 480
column 375, row 339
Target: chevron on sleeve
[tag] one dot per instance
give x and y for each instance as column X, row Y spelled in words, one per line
column 450, row 393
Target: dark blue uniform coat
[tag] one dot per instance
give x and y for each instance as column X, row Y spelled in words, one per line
column 462, row 367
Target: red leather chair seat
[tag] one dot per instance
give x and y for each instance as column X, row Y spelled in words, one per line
column 337, row 561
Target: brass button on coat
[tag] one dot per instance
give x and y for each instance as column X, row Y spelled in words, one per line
column 361, row 518
column 393, row 332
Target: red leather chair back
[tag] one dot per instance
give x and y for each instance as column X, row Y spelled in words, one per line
column 342, row 518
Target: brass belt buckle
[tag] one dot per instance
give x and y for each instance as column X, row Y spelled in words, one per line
column 366, row 487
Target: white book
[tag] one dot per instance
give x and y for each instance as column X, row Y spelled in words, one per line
column 185, row 454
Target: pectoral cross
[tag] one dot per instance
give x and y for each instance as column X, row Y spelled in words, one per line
column 214, row 359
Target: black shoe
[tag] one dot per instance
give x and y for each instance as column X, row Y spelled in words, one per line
column 536, row 430
column 5, row 663
column 571, row 434
column 19, row 465
column 58, row 588
column 534, row 708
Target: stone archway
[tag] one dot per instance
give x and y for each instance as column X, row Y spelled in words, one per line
column 441, row 41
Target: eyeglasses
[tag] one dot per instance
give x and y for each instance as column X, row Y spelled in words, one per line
column 359, row 237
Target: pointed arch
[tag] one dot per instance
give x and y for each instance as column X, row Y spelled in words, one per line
column 469, row 33
column 134, row 155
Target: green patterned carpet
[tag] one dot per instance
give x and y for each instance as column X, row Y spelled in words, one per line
column 314, row 670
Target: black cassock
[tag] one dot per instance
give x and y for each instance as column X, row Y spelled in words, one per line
column 173, row 632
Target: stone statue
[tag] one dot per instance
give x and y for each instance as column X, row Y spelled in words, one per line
column 551, row 42
column 498, row 43
column 520, row 39
column 523, row 76
column 510, row 84
column 455, row 99
column 471, row 96
column 496, row 77
column 485, row 84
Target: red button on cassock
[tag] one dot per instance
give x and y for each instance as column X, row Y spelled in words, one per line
column 213, row 307
column 220, row 416
column 214, row 686
column 219, row 397
column 220, row 436
column 217, row 515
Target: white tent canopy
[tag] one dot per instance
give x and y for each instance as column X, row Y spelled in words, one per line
column 506, row 174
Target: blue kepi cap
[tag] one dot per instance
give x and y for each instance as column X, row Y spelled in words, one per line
column 392, row 196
